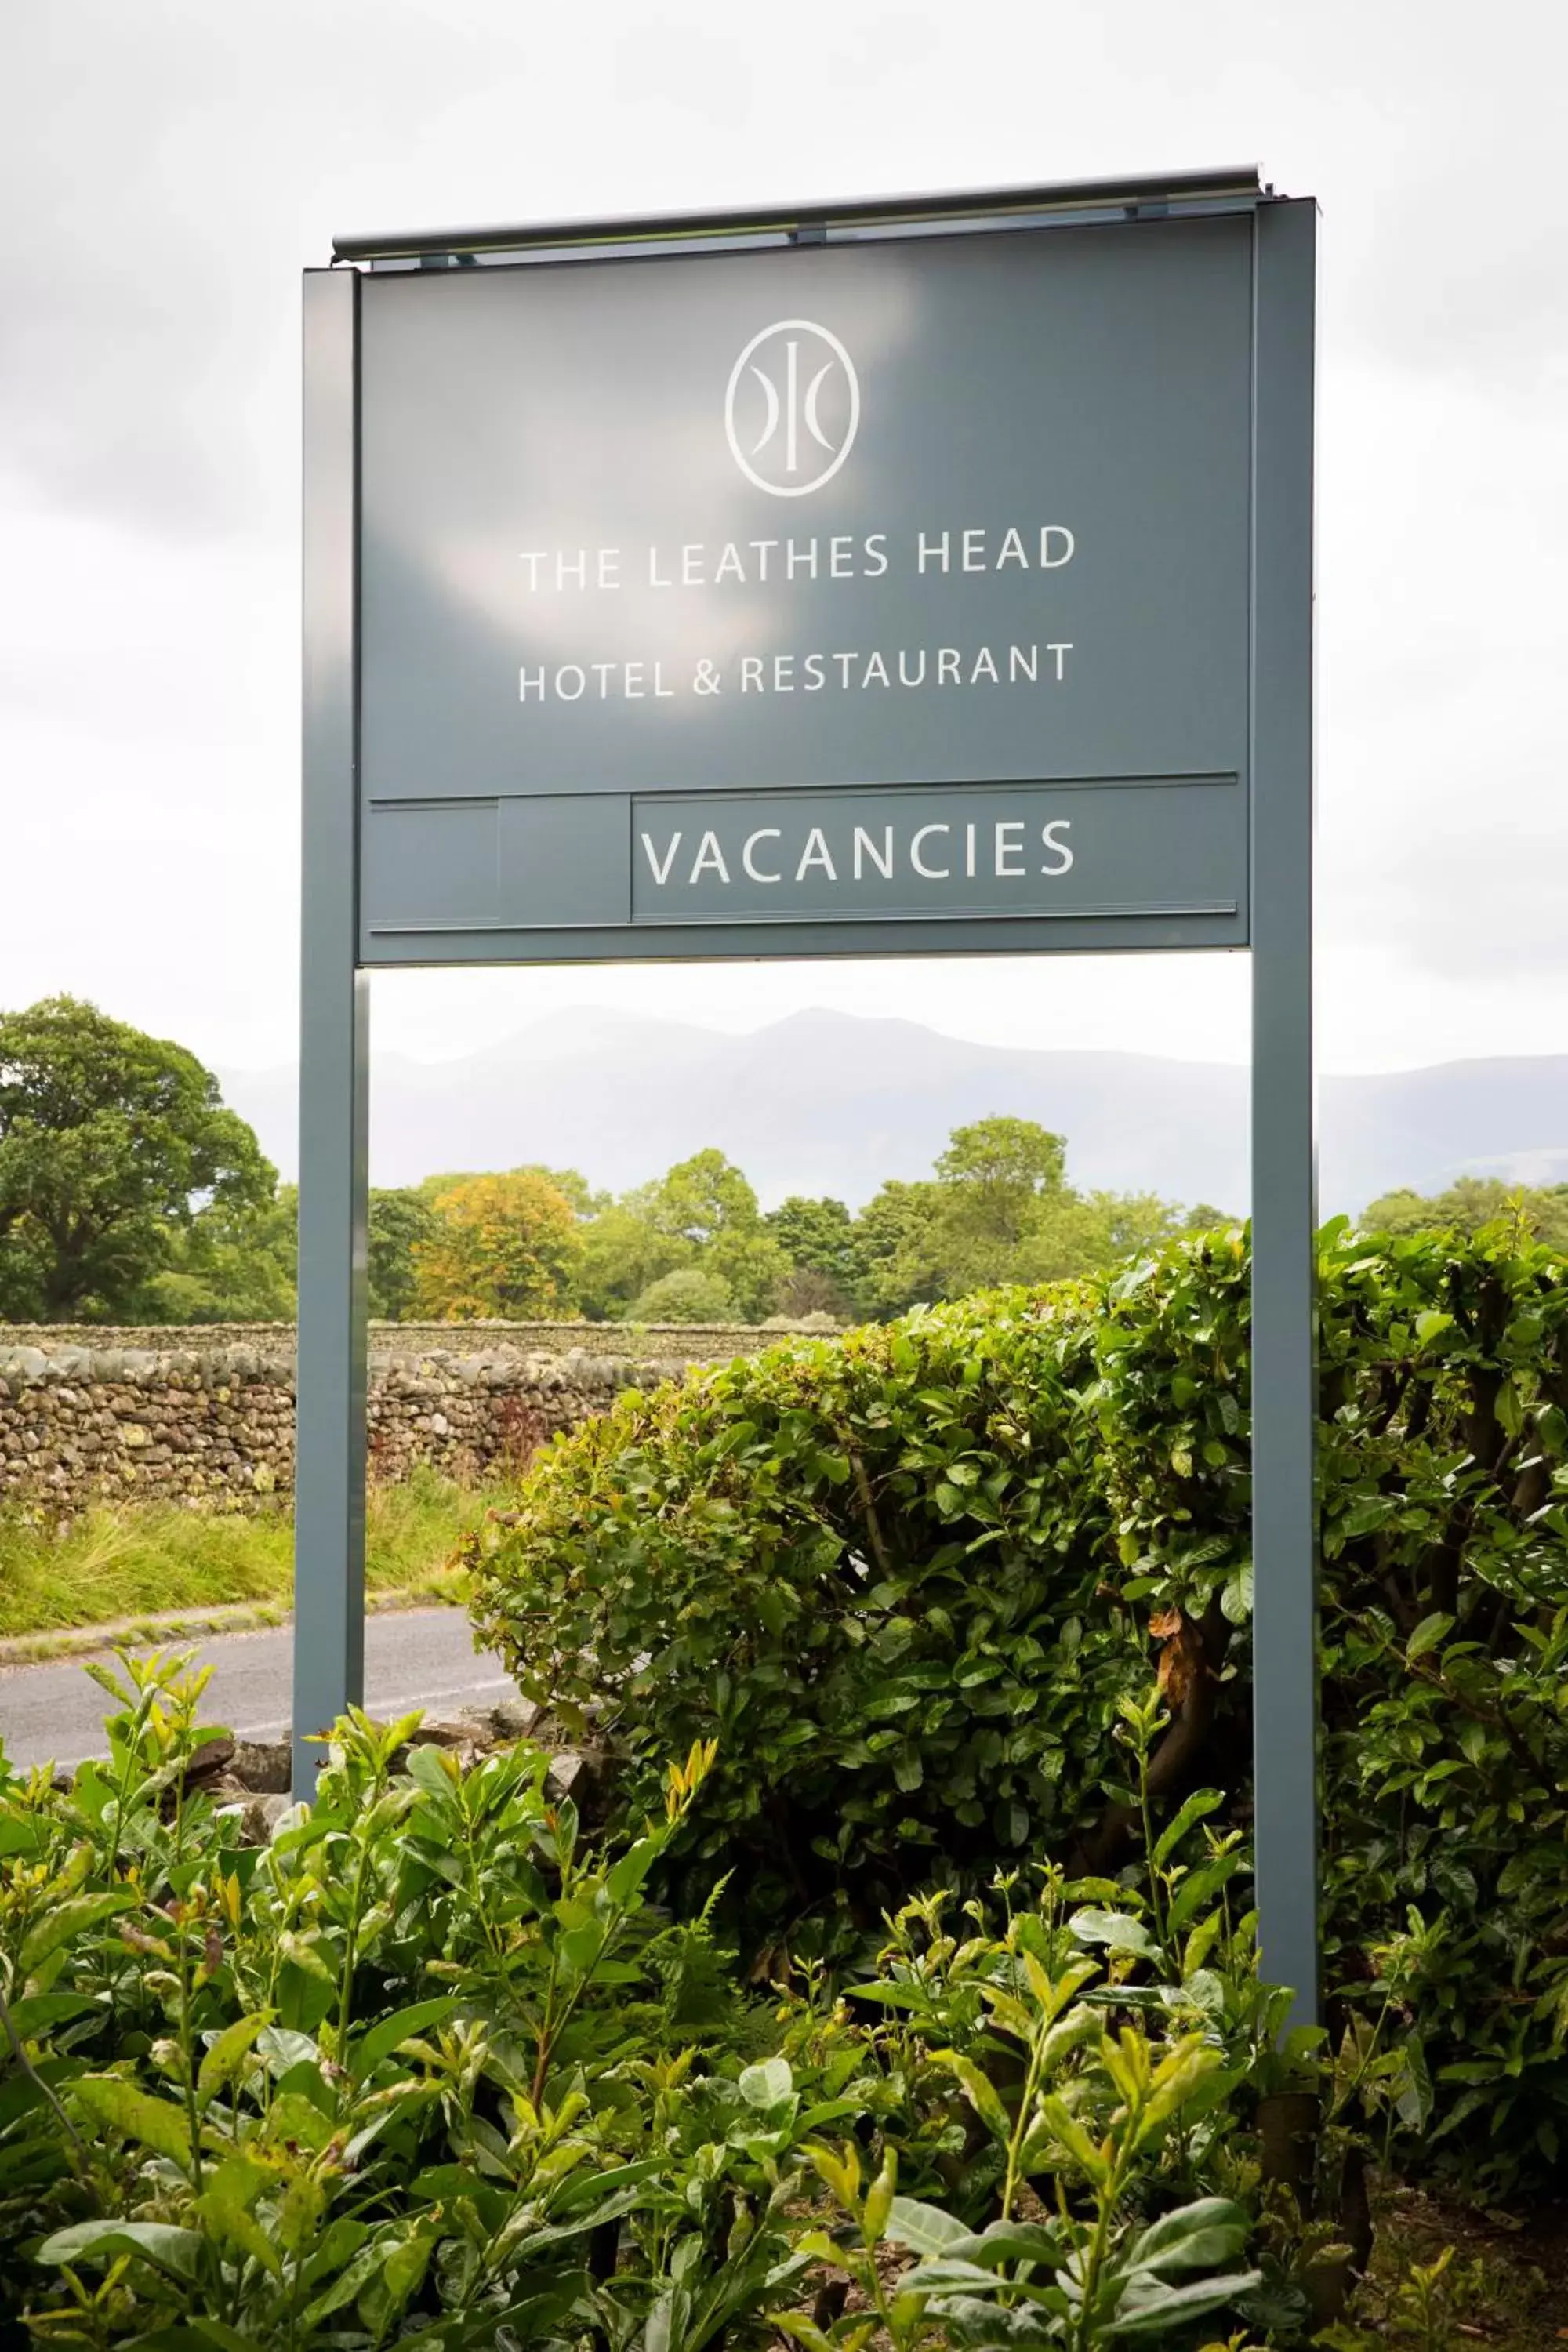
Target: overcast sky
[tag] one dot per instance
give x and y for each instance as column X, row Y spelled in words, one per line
column 168, row 166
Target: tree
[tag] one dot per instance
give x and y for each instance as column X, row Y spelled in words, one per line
column 691, row 1295
column 1471, row 1202
column 702, row 1211
column 112, row 1144
column 429, row 1189
column 817, row 1237
column 991, row 1181
column 1071, row 1234
column 228, row 1265
column 1005, row 1164
column 895, row 1257
column 399, row 1222
column 1000, row 1209
column 752, row 1267
column 976, row 1225
column 698, row 1199
column 1081, row 1233
column 575, row 1186
column 500, row 1246
column 568, row 1181
column 622, row 1253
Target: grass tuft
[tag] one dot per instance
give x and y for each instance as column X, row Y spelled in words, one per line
column 119, row 1561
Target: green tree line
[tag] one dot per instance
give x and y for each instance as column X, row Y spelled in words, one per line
column 1474, row 1203
column 129, row 1192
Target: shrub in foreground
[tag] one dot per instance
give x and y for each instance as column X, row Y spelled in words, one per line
column 905, row 1579
column 426, row 2069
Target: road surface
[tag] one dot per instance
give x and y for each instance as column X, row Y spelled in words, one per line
column 414, row 1657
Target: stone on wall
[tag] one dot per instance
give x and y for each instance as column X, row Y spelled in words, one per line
column 688, row 1343
column 94, row 1417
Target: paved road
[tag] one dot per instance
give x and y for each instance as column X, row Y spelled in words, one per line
column 414, row 1657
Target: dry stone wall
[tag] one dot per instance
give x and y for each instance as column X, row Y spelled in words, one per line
column 206, row 1417
column 689, row 1343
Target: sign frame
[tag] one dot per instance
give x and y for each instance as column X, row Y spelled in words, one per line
column 329, row 1642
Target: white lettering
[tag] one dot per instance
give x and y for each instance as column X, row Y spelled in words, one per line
column 661, row 873
column 975, row 550
column 932, row 873
column 969, row 851
column 533, row 558
column 729, row 566
column 801, row 558
column 933, row 548
column 876, row 554
column 566, row 568
column 1059, row 850
column 1056, row 531
column 882, row 859
column 763, row 833
column 609, row 567
column 1012, row 552
column 840, row 559
column 908, row 666
column 653, row 579
column 1006, row 847
column 710, row 859
column 691, row 559
column 762, row 546
column 816, row 854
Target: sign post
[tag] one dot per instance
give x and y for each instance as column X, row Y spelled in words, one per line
column 912, row 578
column 330, row 1446
column 1284, row 1125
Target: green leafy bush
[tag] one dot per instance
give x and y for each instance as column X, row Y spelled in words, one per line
column 233, row 2068
column 905, row 1579
column 428, row 2069
column 1444, row 1468
column 867, row 1568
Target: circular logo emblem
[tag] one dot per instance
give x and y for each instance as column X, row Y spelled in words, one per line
column 792, row 408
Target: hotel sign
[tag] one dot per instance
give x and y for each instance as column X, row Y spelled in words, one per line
column 922, row 577
column 846, row 598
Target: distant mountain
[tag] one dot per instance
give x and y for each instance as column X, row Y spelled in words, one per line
column 824, row 1102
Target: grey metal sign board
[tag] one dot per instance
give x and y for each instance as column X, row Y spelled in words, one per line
column 921, row 577
column 944, row 512
column 1170, row 849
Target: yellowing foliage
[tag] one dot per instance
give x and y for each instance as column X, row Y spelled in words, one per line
column 502, row 1247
